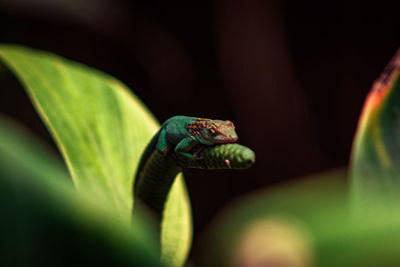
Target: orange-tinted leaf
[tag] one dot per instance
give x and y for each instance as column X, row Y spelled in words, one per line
column 376, row 151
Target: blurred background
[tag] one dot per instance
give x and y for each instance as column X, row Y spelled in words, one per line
column 291, row 75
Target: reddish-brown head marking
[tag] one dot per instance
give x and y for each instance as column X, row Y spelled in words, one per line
column 198, row 126
column 212, row 131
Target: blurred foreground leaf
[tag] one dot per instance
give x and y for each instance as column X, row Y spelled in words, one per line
column 101, row 130
column 45, row 222
column 300, row 224
column 375, row 160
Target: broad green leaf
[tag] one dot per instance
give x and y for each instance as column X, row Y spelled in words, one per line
column 306, row 223
column 45, row 222
column 176, row 226
column 375, row 160
column 101, row 130
column 308, row 203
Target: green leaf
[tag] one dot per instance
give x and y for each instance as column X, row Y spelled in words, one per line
column 45, row 222
column 304, row 223
column 176, row 226
column 304, row 203
column 375, row 164
column 101, row 130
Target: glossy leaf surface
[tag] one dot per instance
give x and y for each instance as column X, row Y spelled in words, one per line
column 45, row 222
column 375, row 164
column 101, row 130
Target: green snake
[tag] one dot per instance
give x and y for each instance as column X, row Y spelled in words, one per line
column 186, row 142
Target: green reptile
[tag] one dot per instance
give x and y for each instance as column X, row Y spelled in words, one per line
column 186, row 142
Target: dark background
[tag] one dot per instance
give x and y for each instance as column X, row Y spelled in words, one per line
column 291, row 75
